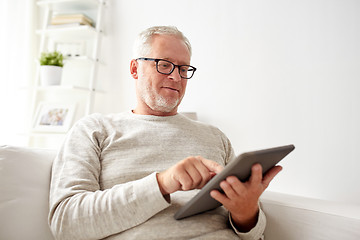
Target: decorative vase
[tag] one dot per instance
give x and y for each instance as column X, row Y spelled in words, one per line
column 50, row 75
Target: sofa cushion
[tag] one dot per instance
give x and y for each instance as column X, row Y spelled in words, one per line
column 24, row 188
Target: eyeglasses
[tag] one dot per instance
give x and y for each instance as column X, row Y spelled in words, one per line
column 166, row 67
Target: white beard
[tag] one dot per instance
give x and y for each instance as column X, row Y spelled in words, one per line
column 155, row 101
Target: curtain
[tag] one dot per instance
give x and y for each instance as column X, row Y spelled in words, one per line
column 17, row 68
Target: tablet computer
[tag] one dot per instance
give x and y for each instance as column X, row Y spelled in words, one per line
column 239, row 167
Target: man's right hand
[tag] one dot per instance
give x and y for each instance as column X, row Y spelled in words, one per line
column 190, row 173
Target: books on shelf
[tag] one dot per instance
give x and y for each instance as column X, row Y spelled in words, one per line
column 66, row 25
column 71, row 19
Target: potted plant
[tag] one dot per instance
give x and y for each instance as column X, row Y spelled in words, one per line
column 51, row 64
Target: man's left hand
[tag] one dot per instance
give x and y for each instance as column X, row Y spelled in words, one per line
column 241, row 198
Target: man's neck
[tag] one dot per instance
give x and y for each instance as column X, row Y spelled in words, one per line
column 149, row 111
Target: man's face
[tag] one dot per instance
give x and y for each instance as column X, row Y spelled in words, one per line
column 157, row 93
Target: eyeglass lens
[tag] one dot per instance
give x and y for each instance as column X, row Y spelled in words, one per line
column 167, row 67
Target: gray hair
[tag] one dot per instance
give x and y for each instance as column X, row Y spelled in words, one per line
column 142, row 45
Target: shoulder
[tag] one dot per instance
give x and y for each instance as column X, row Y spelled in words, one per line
column 98, row 119
column 95, row 127
column 96, row 124
column 210, row 133
column 205, row 128
column 205, row 131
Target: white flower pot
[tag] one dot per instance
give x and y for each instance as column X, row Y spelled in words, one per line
column 50, row 75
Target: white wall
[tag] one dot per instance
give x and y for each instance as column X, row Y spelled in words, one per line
column 269, row 73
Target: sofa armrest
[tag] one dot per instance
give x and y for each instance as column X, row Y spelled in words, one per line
column 24, row 187
column 298, row 218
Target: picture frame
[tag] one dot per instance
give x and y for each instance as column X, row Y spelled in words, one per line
column 71, row 49
column 53, row 117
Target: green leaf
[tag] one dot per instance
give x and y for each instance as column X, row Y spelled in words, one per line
column 51, row 58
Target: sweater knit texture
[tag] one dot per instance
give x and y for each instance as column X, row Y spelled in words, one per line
column 104, row 185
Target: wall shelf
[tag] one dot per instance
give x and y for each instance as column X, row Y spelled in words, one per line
column 79, row 41
column 68, row 33
column 64, row 88
column 69, row 5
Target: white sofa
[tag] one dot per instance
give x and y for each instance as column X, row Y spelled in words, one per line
column 24, row 188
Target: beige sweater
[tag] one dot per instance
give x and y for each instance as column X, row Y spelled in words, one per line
column 104, row 180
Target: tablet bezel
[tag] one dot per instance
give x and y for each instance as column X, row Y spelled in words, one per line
column 239, row 167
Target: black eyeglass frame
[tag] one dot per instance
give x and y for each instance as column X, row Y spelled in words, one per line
column 156, row 60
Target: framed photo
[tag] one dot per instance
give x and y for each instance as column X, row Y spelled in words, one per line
column 52, row 117
column 71, row 49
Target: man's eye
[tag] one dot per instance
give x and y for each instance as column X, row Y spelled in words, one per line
column 184, row 69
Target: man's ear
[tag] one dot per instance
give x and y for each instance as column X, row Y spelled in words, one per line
column 134, row 68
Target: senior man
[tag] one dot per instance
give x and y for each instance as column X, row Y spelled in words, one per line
column 124, row 175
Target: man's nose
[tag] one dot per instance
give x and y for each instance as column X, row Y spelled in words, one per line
column 175, row 75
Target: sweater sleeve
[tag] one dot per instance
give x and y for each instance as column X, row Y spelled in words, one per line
column 256, row 233
column 79, row 209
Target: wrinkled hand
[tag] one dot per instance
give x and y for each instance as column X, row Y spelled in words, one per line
column 190, row 173
column 241, row 198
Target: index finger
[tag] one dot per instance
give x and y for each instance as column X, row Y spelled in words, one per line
column 211, row 165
